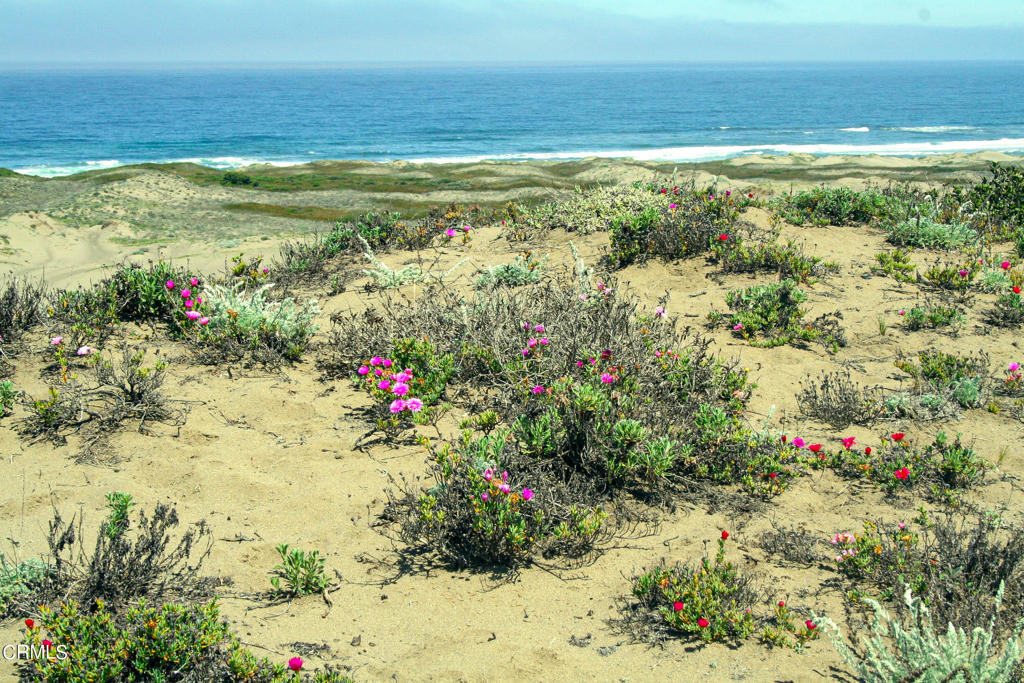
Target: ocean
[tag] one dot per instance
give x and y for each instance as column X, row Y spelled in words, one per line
column 58, row 121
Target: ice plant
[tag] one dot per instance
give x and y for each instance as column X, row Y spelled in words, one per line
column 606, row 378
column 295, row 663
column 527, row 494
column 170, row 284
column 194, row 281
column 413, row 405
column 397, row 406
column 798, row 442
column 902, row 473
column 186, row 293
column 898, row 436
column 703, row 623
column 848, row 442
column 400, row 389
column 1005, row 265
column 363, row 370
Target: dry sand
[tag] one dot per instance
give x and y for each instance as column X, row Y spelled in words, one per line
column 268, row 458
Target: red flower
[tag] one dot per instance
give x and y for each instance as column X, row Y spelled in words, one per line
column 810, row 625
column 772, row 475
column 814, row 447
column 723, row 237
column 782, row 603
column 725, row 535
column 783, row 438
column 1016, row 289
column 703, row 623
column 678, row 606
column 295, row 663
column 902, row 473
column 664, row 190
column 29, row 624
column 898, row 436
column 867, row 450
column 47, row 644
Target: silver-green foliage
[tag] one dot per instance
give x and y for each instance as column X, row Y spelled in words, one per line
column 590, row 210
column 252, row 312
column 516, row 274
column 19, row 580
column 386, row 278
column 927, row 232
column 894, row 653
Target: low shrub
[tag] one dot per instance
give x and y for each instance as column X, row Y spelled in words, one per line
column 302, row 572
column 736, row 255
column 770, row 315
column 1000, row 197
column 833, row 206
column 928, row 233
column 21, row 309
column 8, row 396
column 835, row 399
column 1008, row 310
column 933, row 317
column 896, row 264
column 962, row 379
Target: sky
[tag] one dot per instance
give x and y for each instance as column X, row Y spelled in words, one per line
column 506, row 31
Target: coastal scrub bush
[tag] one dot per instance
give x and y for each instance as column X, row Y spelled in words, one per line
column 85, row 316
column 169, row 642
column 962, row 379
column 525, row 269
column 833, row 206
column 1000, row 196
column 21, row 308
column 736, row 255
column 933, row 317
column 896, row 264
column 236, row 178
column 835, row 399
column 897, row 653
column 770, row 315
column 585, row 211
column 1008, row 309
column 19, row 583
column 928, row 233
column 957, row 564
column 240, row 321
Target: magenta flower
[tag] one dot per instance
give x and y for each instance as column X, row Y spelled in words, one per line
column 737, row 327
column 606, row 378
column 504, row 488
column 295, row 663
column 526, row 352
column 397, row 406
column 537, row 389
column 378, row 372
column 194, row 281
column 484, row 497
column 402, row 376
column 376, row 360
column 400, row 389
column 901, row 312
column 204, row 321
column 57, row 341
column 1013, row 367
column 657, row 354
column 186, row 293
column 363, row 370
column 798, row 442
column 450, row 232
column 673, row 206
column 538, row 328
column 414, row 405
column 848, row 442
column 170, row 284
column 544, row 341
column 728, row 193
column 504, row 475
column 192, row 315
column 531, row 344
column 963, row 273
column 387, row 362
column 488, row 474
column 384, row 384
column 266, row 270
column 199, row 300
column 1005, row 265
column 527, row 494
column 189, row 303
column 579, row 364
column 466, row 228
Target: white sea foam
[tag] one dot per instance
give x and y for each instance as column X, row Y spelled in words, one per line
column 857, row 129
column 706, row 153
column 50, row 171
column 932, row 129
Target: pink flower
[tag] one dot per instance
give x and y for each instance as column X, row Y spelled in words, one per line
column 902, row 525
column 1005, row 265
column 401, row 377
column 47, row 643
column 538, row 389
column 466, row 228
column 484, row 497
column 902, row 473
column 532, row 343
column 414, row 405
column 450, row 232
column 295, row 663
column 728, row 193
column 376, row 360
column 56, row 341
column 579, row 364
column 657, row 354
column 85, row 350
column 504, row 475
column 186, row 293
column 963, row 273
column 526, row 352
column 798, row 442
column 397, row 406
column 199, row 300
column 848, row 442
column 170, row 284
column 387, row 362
column 543, row 341
column 737, row 327
column 659, row 312
column 527, row 494
column 538, row 328
column 488, row 474
column 673, row 206
column 204, row 320
column 384, row 384
column 194, row 281
column 400, row 389
column 901, row 312
column 192, row 315
column 1013, row 367
column 504, row 488
column 378, row 372
column 363, row 370
column 606, row 378
column 189, row 303
column 266, row 270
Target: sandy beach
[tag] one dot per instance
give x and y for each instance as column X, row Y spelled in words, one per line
column 269, row 456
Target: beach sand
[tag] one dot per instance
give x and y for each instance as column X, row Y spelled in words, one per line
column 267, row 458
